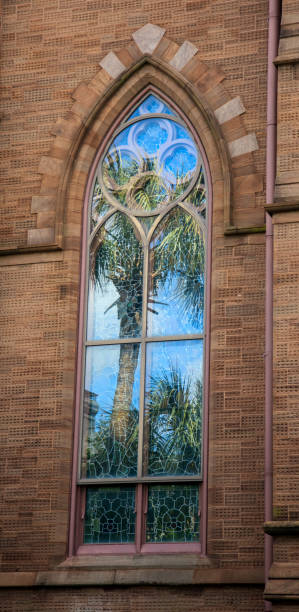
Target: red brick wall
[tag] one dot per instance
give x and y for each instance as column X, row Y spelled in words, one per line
column 151, row 599
column 48, row 49
column 36, row 415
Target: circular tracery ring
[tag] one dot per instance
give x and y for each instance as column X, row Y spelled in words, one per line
column 151, row 162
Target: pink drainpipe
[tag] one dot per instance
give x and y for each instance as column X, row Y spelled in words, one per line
column 273, row 40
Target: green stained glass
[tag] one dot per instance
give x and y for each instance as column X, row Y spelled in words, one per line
column 110, row 515
column 172, row 514
column 115, row 283
column 111, row 411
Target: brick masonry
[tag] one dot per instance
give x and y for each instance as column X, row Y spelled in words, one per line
column 48, row 51
column 130, row 599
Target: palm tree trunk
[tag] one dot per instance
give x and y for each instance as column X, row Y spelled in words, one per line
column 122, row 402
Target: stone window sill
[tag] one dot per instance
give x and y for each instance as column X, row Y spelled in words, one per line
column 133, row 570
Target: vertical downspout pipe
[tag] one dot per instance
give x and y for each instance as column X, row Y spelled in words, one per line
column 273, row 41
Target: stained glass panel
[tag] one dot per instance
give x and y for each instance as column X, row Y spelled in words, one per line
column 150, row 163
column 115, row 283
column 173, row 413
column 176, row 276
column 151, row 104
column 110, row 411
column 172, row 514
column 109, row 515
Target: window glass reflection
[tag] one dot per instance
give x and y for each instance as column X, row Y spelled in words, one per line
column 99, row 206
column 176, row 276
column 198, row 196
column 111, row 411
column 173, row 414
column 150, row 163
column 115, row 282
column 151, row 104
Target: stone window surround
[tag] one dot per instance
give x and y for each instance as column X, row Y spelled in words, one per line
column 150, row 57
column 76, row 545
column 199, row 91
column 147, row 72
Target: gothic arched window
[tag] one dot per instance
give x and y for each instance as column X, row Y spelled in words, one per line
column 142, row 394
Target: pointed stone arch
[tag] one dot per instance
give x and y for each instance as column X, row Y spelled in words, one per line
column 150, row 59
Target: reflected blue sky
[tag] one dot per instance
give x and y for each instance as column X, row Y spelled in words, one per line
column 183, row 355
column 151, row 104
column 176, row 277
column 169, row 317
column 159, row 145
column 102, row 368
column 111, row 411
column 173, row 408
column 115, row 283
column 102, row 320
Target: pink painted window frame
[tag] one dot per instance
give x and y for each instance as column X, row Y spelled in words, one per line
column 75, row 546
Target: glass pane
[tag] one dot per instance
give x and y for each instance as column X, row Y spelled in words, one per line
column 198, row 195
column 150, row 163
column 146, row 222
column 110, row 411
column 115, row 283
column 99, row 206
column 172, row 514
column 176, row 276
column 151, row 104
column 173, row 412
column 109, row 515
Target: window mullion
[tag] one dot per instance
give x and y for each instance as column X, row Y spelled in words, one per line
column 142, row 363
column 146, row 183
column 139, row 517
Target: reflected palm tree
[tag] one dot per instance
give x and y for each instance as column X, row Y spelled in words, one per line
column 177, row 256
column 173, row 419
column 174, row 409
column 109, row 453
column 117, row 258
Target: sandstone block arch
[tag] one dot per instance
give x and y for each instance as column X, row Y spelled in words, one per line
column 150, row 59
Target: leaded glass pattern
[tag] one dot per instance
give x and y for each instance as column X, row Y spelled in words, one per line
column 110, row 515
column 142, row 398
column 172, row 514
